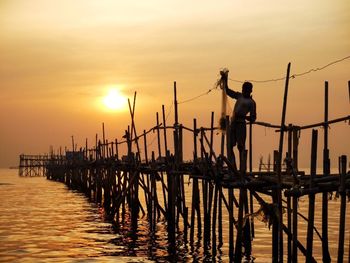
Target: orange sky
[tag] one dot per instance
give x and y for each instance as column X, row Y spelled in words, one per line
column 57, row 58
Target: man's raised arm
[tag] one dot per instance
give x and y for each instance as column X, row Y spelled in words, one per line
column 231, row 93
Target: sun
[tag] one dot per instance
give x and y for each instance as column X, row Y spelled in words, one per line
column 114, row 100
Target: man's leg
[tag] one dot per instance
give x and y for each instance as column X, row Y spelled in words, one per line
column 233, row 159
column 241, row 137
column 241, row 150
column 233, row 142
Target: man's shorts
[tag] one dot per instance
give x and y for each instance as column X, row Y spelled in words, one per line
column 238, row 133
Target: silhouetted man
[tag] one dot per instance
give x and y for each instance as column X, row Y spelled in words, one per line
column 244, row 105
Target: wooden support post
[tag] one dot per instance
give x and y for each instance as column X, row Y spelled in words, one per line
column 213, row 243
column 205, row 198
column 145, row 146
column 172, row 184
column 133, row 127
column 195, row 190
column 116, row 150
column 165, row 135
column 182, row 198
column 152, row 197
column 295, row 148
column 146, row 162
column 310, row 225
column 295, row 198
column 278, row 256
column 211, row 136
column 275, row 160
column 289, row 209
column 342, row 193
column 160, row 158
column 275, row 224
column 103, row 139
column 73, row 148
column 289, row 225
column 251, row 170
column 158, row 137
column 171, row 211
column 243, row 202
column 135, row 201
column 175, row 105
column 326, row 172
column 220, row 216
column 230, row 193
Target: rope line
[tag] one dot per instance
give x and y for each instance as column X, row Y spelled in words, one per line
column 201, row 95
column 293, row 76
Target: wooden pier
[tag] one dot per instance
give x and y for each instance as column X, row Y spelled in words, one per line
column 118, row 181
column 32, row 165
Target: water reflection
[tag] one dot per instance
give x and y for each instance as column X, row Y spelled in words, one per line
column 43, row 221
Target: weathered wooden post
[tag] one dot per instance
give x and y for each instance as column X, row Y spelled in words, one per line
column 278, row 253
column 165, row 128
column 172, row 183
column 160, row 156
column 103, row 140
column 195, row 190
column 289, row 209
column 251, row 170
column 295, row 198
column 205, row 192
column 342, row 193
column 99, row 178
column 326, row 172
column 310, row 224
column 242, row 203
column 230, row 193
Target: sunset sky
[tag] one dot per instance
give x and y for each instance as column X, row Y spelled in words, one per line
column 58, row 59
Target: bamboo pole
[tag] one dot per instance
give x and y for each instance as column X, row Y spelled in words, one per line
column 278, row 256
column 230, row 193
column 158, row 137
column 165, row 135
column 310, row 225
column 326, row 172
column 295, row 198
column 213, row 243
column 195, row 182
column 220, row 216
column 289, row 210
column 205, row 198
column 103, row 139
column 243, row 202
column 160, row 158
column 116, row 150
column 148, row 185
column 342, row 193
column 251, row 170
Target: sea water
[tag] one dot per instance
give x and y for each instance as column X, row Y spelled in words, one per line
column 44, row 221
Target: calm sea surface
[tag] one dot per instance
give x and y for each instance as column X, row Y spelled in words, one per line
column 43, row 221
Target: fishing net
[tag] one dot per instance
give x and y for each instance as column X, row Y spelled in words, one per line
column 267, row 213
column 222, row 83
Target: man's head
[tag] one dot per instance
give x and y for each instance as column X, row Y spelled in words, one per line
column 247, row 89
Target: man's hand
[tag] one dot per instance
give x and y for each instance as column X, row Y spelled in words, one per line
column 224, row 78
column 250, row 118
column 224, row 74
